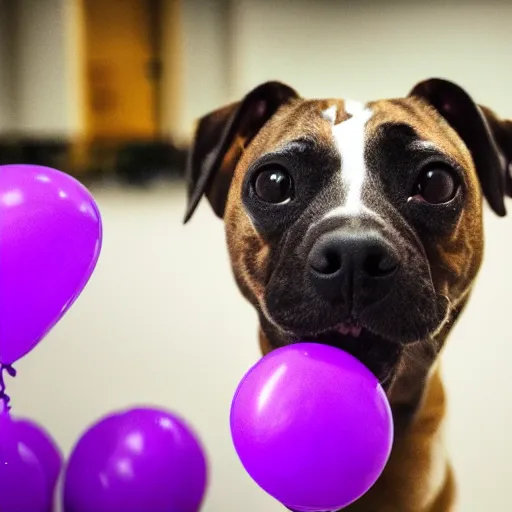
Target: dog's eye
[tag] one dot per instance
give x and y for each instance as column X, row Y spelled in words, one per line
column 274, row 185
column 436, row 185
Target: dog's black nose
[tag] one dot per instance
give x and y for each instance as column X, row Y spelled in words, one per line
column 345, row 265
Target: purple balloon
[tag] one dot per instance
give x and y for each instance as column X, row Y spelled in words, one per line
column 45, row 450
column 137, row 460
column 50, row 233
column 312, row 426
column 29, row 466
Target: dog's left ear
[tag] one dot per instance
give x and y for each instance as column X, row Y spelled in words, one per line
column 488, row 138
column 220, row 139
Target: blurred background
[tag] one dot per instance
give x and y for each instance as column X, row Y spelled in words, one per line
column 108, row 90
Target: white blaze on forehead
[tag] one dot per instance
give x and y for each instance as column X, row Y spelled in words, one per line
column 349, row 137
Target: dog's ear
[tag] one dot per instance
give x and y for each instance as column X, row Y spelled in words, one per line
column 220, row 139
column 488, row 138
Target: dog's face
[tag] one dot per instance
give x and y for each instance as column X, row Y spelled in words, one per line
column 356, row 225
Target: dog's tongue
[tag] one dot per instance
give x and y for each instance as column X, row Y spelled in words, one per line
column 350, row 329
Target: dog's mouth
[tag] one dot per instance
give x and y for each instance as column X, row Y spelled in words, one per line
column 378, row 354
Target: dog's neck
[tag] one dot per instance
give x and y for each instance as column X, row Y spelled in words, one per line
column 418, row 476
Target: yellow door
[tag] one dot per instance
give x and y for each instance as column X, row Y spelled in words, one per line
column 119, row 52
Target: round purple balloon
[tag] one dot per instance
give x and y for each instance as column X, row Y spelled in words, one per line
column 29, row 466
column 312, row 426
column 45, row 450
column 50, row 232
column 140, row 459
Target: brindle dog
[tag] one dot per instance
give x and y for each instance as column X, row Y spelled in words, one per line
column 360, row 226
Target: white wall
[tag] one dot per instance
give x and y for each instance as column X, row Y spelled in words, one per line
column 369, row 49
column 45, row 104
column 39, row 68
column 6, row 68
column 205, row 79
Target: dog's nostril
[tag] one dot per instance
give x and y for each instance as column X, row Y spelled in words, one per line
column 325, row 262
column 379, row 264
column 330, row 263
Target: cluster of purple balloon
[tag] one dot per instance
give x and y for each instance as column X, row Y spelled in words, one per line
column 134, row 460
column 139, row 459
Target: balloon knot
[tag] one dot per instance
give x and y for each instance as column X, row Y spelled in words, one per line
column 4, row 397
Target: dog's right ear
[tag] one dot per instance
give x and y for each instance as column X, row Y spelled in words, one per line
column 220, row 139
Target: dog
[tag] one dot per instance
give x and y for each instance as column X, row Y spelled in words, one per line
column 360, row 226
